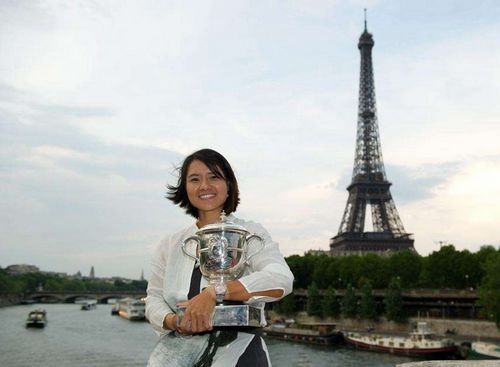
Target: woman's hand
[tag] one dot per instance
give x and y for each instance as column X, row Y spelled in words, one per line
column 198, row 314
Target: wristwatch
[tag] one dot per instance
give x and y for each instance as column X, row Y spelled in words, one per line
column 220, row 292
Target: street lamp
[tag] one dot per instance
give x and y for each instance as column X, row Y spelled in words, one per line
column 467, row 281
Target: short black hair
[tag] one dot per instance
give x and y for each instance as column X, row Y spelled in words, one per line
column 219, row 166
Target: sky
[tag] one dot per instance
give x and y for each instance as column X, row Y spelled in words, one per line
column 101, row 100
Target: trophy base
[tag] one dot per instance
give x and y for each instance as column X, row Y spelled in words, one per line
column 233, row 315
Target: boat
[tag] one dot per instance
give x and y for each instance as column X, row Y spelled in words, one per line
column 89, row 305
column 114, row 309
column 132, row 309
column 422, row 342
column 308, row 336
column 483, row 350
column 37, row 318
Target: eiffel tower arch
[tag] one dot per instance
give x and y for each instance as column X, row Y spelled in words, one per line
column 369, row 188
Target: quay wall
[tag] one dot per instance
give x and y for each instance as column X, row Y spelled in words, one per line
column 10, row 299
column 473, row 329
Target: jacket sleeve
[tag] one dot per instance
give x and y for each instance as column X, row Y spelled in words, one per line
column 156, row 307
column 269, row 269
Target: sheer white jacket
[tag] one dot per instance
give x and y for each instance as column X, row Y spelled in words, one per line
column 171, row 271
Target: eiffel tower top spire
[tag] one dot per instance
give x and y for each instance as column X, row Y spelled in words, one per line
column 365, row 21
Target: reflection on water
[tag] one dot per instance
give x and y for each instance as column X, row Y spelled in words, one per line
column 95, row 338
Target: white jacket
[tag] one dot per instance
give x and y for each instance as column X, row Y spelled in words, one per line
column 171, row 272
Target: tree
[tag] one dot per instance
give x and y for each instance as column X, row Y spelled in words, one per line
column 367, row 307
column 330, row 304
column 286, row 306
column 313, row 300
column 302, row 268
column 349, row 303
column 489, row 292
column 394, row 302
column 407, row 265
column 374, row 268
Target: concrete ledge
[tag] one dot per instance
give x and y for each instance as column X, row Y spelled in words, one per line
column 451, row 364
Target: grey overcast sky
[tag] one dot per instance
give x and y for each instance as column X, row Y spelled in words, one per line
column 99, row 100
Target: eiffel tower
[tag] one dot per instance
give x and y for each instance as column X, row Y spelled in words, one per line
column 369, row 187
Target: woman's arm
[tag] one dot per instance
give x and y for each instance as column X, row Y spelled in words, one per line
column 157, row 310
column 270, row 277
column 235, row 291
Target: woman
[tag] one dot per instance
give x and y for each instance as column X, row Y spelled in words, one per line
column 207, row 186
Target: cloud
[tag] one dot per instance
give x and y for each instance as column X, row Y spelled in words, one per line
column 103, row 99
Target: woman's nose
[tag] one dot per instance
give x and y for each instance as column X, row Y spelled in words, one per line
column 204, row 183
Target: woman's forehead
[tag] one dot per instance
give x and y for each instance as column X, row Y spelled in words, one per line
column 199, row 167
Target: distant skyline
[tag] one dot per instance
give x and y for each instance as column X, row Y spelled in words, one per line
column 99, row 101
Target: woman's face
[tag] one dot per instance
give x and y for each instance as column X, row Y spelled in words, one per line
column 206, row 192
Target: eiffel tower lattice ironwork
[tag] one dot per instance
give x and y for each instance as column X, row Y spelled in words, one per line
column 369, row 186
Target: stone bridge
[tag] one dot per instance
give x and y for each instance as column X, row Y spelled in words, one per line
column 71, row 297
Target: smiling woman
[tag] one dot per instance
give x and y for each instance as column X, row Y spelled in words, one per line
column 206, row 188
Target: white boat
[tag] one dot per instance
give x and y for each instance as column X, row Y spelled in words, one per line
column 132, row 309
column 422, row 342
column 485, row 350
column 89, row 305
column 37, row 318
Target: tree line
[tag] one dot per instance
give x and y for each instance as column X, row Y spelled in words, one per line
column 445, row 268
column 31, row 282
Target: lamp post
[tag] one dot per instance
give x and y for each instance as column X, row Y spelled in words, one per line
column 467, row 281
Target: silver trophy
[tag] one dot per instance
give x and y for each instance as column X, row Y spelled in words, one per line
column 223, row 251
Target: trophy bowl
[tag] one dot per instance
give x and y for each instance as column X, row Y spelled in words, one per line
column 223, row 252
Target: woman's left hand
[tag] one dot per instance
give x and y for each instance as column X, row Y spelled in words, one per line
column 199, row 312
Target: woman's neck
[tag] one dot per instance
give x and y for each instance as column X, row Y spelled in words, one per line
column 205, row 218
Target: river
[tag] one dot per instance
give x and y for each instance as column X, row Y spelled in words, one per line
column 76, row 338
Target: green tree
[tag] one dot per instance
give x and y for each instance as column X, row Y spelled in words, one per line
column 407, row 265
column 302, row 268
column 320, row 274
column 367, row 307
column 374, row 268
column 53, row 284
column 313, row 300
column 73, row 285
column 349, row 269
column 349, row 305
column 489, row 292
column 394, row 302
column 446, row 268
column 330, row 304
column 286, row 306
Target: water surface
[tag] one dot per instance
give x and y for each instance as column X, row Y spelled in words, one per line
column 96, row 339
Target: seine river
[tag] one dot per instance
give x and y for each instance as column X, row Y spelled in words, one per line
column 95, row 338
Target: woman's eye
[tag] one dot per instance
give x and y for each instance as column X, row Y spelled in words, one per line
column 193, row 179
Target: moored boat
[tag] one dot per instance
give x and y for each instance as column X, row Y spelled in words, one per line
column 422, row 342
column 483, row 350
column 89, row 305
column 303, row 335
column 132, row 309
column 115, row 309
column 37, row 318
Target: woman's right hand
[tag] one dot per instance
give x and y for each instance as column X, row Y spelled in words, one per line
column 198, row 313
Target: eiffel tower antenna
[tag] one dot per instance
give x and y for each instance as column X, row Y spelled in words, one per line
column 369, row 188
column 366, row 30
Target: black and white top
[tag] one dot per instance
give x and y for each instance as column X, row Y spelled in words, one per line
column 174, row 278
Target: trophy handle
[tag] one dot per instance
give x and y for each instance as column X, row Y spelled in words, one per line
column 254, row 237
column 185, row 242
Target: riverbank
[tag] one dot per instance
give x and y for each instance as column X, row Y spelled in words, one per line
column 458, row 329
column 10, row 299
